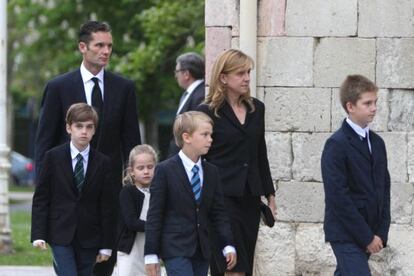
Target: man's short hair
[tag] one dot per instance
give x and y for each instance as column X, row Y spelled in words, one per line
column 188, row 122
column 352, row 88
column 81, row 112
column 86, row 30
column 192, row 62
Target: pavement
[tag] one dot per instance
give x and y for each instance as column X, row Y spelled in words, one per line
column 26, row 271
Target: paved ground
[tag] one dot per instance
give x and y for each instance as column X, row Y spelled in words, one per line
column 26, row 271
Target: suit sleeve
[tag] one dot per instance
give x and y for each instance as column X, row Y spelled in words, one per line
column 386, row 216
column 337, row 195
column 41, row 203
column 130, row 134
column 50, row 121
column 129, row 211
column 156, row 211
column 108, row 212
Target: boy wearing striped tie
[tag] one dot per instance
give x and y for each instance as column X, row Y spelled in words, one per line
column 186, row 204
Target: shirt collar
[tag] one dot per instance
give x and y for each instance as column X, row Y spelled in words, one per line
column 74, row 151
column 193, row 86
column 87, row 75
column 359, row 130
column 187, row 162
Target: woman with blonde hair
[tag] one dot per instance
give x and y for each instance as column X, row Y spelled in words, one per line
column 239, row 150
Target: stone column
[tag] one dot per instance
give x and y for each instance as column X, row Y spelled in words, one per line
column 5, row 240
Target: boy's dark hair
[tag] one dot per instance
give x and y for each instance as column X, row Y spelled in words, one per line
column 188, row 122
column 352, row 88
column 192, row 62
column 86, row 30
column 81, row 112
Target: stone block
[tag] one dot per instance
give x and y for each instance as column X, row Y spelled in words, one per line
column 401, row 110
column 410, row 153
column 402, row 195
column 313, row 255
column 307, row 150
column 399, row 254
column 380, row 123
column 275, row 250
column 320, row 18
column 386, row 18
column 218, row 39
column 279, row 152
column 298, row 109
column 396, row 143
column 285, row 61
column 300, row 202
column 221, row 13
column 335, row 58
column 395, row 62
column 271, row 18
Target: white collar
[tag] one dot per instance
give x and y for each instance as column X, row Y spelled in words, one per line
column 187, row 162
column 87, row 75
column 193, row 86
column 358, row 129
column 74, row 151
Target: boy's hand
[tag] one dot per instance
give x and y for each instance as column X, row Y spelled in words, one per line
column 231, row 260
column 40, row 244
column 375, row 246
column 272, row 204
column 152, row 269
column 102, row 258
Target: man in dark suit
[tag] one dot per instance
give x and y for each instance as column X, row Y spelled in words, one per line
column 356, row 182
column 73, row 202
column 189, row 72
column 113, row 97
column 186, row 205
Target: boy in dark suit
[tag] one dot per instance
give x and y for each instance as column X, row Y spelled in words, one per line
column 186, row 204
column 356, row 182
column 73, row 201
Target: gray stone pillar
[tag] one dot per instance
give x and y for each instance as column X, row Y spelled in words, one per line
column 5, row 240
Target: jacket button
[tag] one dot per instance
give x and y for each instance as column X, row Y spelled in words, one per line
column 198, row 224
column 245, row 165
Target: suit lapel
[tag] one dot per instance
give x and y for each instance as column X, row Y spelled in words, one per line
column 66, row 167
column 90, row 170
column 78, row 88
column 228, row 112
column 355, row 140
column 183, row 178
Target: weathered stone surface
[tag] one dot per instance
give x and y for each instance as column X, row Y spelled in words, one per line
column 395, row 62
column 222, row 14
column 298, row 109
column 396, row 143
column 410, row 159
column 386, row 18
column 313, row 255
column 307, row 150
column 275, row 250
column 300, row 201
column 335, row 58
column 402, row 195
column 401, row 110
column 321, row 18
column 218, row 39
column 399, row 255
column 271, row 18
column 279, row 153
column 380, row 123
column 285, row 61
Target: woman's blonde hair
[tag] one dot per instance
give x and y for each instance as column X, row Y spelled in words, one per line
column 137, row 150
column 229, row 61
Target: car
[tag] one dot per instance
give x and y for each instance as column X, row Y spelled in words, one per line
column 22, row 169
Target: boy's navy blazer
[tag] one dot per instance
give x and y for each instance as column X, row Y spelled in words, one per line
column 131, row 200
column 175, row 223
column 357, row 188
column 60, row 213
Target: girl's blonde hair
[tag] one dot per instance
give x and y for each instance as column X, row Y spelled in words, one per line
column 140, row 149
column 229, row 61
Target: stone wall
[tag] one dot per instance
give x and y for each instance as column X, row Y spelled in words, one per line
column 305, row 50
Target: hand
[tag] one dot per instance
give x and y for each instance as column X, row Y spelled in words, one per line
column 40, row 244
column 231, row 260
column 375, row 246
column 102, row 258
column 272, row 204
column 152, row 269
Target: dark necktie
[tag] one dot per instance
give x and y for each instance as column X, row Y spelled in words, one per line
column 97, row 101
column 365, row 141
column 79, row 172
column 196, row 183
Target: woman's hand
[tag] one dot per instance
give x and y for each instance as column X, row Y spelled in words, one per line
column 271, row 202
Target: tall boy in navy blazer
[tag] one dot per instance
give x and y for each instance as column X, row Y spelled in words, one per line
column 356, row 182
column 76, row 218
column 180, row 215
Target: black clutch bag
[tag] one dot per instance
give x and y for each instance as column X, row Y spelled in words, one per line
column 267, row 215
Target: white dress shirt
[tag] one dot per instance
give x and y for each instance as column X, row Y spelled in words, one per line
column 88, row 82
column 362, row 132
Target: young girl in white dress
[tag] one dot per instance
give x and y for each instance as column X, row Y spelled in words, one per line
column 134, row 200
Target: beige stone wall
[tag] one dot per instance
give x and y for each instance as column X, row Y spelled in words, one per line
column 305, row 49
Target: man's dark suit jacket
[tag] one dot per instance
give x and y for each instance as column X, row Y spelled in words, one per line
column 240, row 151
column 175, row 223
column 131, row 200
column 195, row 99
column 357, row 188
column 119, row 130
column 60, row 213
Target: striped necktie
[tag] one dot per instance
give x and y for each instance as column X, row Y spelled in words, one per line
column 79, row 172
column 196, row 183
